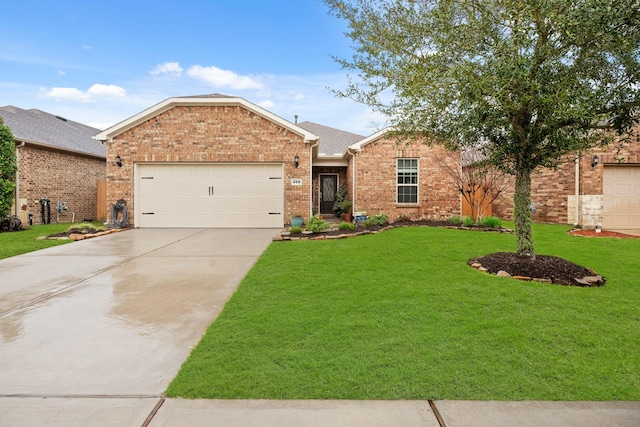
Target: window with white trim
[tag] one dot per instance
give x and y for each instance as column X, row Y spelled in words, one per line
column 407, row 172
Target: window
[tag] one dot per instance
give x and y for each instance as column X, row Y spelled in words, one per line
column 407, row 180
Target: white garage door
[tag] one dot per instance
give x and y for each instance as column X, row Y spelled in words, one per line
column 621, row 197
column 210, row 195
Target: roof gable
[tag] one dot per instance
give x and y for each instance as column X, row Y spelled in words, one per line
column 333, row 142
column 371, row 138
column 200, row 100
column 47, row 130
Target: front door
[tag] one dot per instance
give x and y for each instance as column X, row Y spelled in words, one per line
column 328, row 189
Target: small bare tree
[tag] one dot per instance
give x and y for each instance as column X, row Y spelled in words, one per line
column 479, row 182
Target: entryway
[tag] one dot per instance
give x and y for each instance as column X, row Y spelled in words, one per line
column 328, row 190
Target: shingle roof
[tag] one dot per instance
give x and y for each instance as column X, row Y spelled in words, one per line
column 333, row 142
column 45, row 129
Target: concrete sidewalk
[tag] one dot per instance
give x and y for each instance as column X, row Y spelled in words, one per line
column 154, row 412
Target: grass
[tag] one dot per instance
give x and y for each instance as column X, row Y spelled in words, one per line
column 20, row 242
column 399, row 315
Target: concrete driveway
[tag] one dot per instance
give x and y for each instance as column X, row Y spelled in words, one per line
column 116, row 315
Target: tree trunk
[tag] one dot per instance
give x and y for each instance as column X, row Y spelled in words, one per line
column 522, row 213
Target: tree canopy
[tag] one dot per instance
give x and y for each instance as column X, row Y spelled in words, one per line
column 525, row 81
column 7, row 169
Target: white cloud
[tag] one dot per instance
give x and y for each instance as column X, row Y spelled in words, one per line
column 99, row 90
column 266, row 104
column 62, row 73
column 86, row 46
column 171, row 69
column 67, row 94
column 74, row 94
column 218, row 77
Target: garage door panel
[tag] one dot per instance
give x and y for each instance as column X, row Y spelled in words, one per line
column 211, row 195
column 621, row 188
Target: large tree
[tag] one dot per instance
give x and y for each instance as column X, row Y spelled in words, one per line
column 525, row 81
column 7, row 169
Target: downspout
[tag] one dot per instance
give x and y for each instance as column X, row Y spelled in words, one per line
column 17, row 193
column 577, row 186
column 311, row 175
column 353, row 180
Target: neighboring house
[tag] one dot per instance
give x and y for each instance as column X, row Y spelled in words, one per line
column 221, row 161
column 602, row 189
column 57, row 160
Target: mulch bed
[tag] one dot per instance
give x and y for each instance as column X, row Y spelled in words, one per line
column 602, row 233
column 361, row 229
column 75, row 231
column 545, row 268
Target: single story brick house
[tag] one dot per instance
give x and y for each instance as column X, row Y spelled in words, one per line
column 599, row 188
column 221, row 161
column 57, row 160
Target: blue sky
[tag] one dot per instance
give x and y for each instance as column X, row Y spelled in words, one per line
column 99, row 63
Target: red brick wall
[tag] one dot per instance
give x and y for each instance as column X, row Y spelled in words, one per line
column 209, row 134
column 550, row 188
column 59, row 177
column 376, row 181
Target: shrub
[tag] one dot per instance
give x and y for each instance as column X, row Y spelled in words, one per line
column 491, row 221
column 369, row 222
column 456, row 220
column 380, row 219
column 346, row 226
column 8, row 169
column 295, row 230
column 341, row 196
column 467, row 221
column 316, row 225
column 404, row 218
column 86, row 226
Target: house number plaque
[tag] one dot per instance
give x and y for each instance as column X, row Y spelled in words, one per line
column 296, row 181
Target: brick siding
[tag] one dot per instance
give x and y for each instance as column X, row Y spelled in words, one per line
column 376, row 181
column 209, row 134
column 553, row 190
column 59, row 177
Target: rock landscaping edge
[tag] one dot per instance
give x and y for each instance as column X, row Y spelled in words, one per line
column 80, row 236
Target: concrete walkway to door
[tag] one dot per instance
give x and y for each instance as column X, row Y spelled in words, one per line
column 119, row 314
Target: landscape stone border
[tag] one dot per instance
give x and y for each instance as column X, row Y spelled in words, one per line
column 286, row 235
column 81, row 236
column 586, row 281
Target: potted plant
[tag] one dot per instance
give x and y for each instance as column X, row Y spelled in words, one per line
column 341, row 196
column 346, row 208
column 297, row 220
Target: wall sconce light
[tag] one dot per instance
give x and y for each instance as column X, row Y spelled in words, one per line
column 296, row 160
column 595, row 161
column 118, row 161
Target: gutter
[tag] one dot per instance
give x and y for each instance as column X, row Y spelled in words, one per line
column 314, row 145
column 17, row 192
column 353, row 152
column 577, row 187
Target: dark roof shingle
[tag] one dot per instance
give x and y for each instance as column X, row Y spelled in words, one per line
column 332, row 141
column 53, row 131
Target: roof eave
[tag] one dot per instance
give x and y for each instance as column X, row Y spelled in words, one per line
column 58, row 148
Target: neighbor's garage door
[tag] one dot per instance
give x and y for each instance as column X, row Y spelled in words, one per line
column 621, row 197
column 210, row 195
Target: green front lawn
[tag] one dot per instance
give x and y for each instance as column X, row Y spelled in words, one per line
column 20, row 242
column 399, row 315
